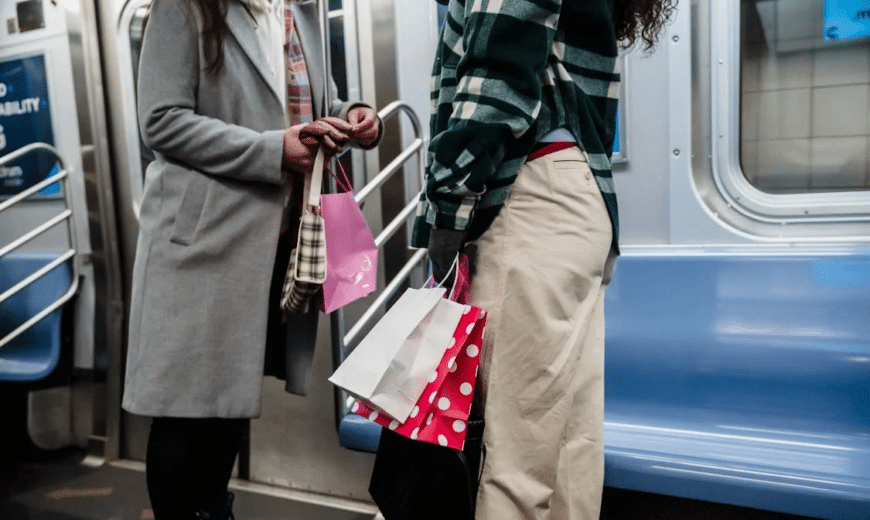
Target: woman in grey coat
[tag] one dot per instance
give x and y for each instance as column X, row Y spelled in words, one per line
column 231, row 102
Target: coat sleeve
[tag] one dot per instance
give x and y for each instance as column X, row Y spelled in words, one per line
column 169, row 77
column 498, row 95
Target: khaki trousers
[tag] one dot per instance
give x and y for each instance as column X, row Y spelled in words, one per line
column 540, row 273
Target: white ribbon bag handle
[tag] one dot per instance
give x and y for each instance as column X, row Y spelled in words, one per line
column 314, row 183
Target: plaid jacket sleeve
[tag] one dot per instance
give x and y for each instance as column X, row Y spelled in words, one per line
column 487, row 93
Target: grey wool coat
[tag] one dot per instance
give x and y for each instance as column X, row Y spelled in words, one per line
column 210, row 215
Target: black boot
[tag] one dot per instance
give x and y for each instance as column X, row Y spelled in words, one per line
column 224, row 511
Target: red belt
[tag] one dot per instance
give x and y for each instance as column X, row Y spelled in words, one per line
column 542, row 149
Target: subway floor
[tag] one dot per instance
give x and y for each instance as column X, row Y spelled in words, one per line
column 65, row 486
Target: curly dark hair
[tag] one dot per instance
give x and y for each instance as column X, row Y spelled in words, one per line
column 641, row 20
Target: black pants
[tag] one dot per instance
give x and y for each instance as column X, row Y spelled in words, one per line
column 189, row 464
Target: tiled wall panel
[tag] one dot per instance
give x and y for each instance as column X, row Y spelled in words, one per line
column 804, row 102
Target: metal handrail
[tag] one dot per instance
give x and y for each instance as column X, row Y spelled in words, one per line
column 66, row 215
column 341, row 340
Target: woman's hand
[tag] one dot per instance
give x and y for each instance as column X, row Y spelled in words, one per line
column 302, row 141
column 364, row 121
column 332, row 132
column 298, row 155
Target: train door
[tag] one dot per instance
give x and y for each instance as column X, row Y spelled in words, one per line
column 120, row 29
column 295, row 443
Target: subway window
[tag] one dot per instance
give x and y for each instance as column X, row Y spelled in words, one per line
column 805, row 95
column 337, row 47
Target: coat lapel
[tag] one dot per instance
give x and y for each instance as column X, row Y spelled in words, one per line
column 243, row 29
column 304, row 15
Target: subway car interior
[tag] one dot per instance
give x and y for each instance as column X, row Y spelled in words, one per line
column 737, row 372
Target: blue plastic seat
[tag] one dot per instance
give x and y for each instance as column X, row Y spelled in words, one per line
column 357, row 433
column 741, row 379
column 33, row 355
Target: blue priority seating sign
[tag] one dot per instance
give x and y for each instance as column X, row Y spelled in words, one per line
column 847, row 19
column 25, row 118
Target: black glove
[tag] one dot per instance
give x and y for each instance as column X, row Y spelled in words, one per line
column 444, row 245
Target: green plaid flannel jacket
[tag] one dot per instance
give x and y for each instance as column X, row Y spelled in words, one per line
column 506, row 73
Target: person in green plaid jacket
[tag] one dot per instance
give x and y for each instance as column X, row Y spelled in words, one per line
column 524, row 99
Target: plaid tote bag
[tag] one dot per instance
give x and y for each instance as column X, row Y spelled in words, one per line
column 306, row 271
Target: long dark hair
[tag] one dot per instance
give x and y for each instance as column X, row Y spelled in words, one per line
column 214, row 18
column 641, row 20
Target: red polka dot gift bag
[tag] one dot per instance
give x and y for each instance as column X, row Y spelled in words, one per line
column 392, row 365
column 440, row 416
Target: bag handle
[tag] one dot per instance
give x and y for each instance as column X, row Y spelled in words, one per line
column 431, row 282
column 459, row 291
column 343, row 181
column 452, row 267
column 314, row 182
column 314, row 185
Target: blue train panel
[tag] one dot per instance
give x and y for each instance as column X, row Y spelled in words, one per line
column 742, row 380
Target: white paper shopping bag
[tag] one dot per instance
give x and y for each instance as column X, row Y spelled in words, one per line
column 362, row 371
column 415, row 363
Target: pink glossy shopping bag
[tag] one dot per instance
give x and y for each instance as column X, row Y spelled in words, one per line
column 351, row 253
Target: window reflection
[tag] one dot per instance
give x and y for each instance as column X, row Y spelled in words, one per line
column 804, row 100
